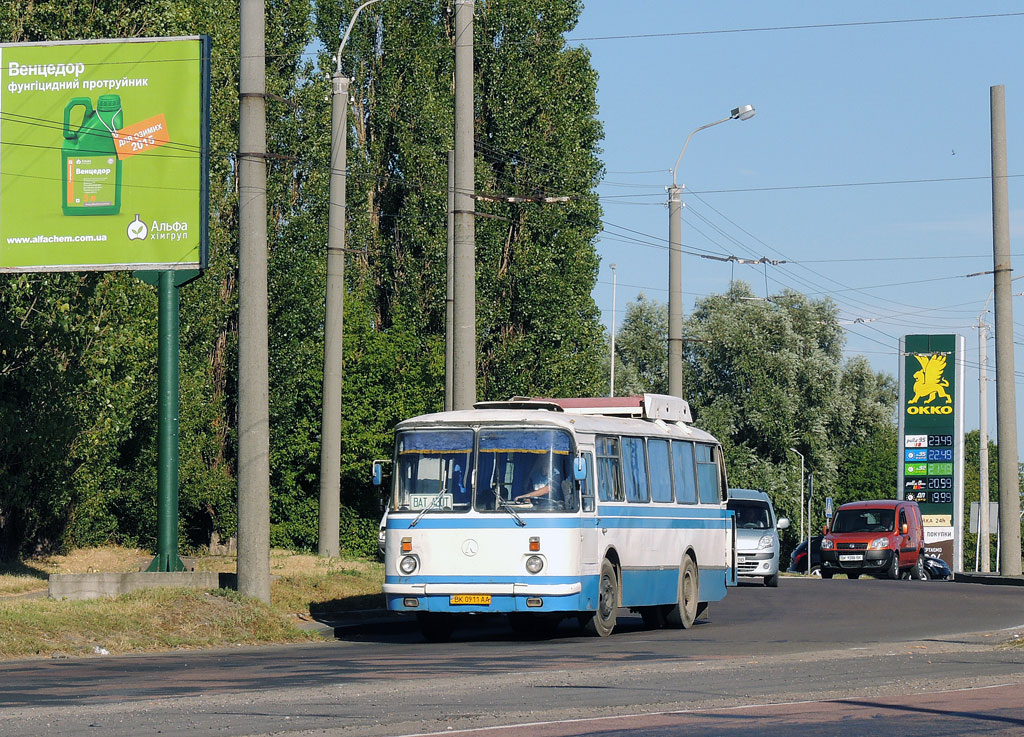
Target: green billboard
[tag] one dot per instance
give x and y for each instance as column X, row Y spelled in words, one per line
column 104, row 155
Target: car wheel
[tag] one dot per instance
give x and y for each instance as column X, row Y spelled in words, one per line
column 825, row 574
column 816, row 571
column 918, row 573
column 771, row 581
column 602, row 622
column 894, row 567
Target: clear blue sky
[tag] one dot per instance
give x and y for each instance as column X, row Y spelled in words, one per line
column 866, row 165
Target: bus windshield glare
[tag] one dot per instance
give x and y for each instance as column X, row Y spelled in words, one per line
column 525, row 471
column 518, row 470
column 433, row 470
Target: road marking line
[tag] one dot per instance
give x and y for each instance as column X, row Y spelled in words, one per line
column 682, row 712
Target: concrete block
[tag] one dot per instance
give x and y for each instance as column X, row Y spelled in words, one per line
column 80, row 586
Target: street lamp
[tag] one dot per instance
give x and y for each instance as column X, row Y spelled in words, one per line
column 675, row 262
column 330, row 436
column 802, row 510
column 611, row 385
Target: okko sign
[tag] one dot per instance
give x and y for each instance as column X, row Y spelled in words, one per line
column 104, row 155
column 931, row 434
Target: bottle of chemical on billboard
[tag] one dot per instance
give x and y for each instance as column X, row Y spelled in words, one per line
column 91, row 178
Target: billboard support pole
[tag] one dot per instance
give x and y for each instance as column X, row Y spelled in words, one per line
column 167, row 284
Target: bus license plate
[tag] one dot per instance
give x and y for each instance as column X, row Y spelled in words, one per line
column 484, row 599
column 851, row 557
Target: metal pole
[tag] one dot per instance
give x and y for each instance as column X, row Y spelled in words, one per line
column 794, row 450
column 167, row 462
column 611, row 384
column 464, row 352
column 983, row 531
column 328, row 535
column 253, row 393
column 449, row 300
column 810, row 496
column 1006, row 400
column 675, row 290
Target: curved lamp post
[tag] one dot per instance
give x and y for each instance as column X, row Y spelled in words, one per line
column 330, row 436
column 675, row 262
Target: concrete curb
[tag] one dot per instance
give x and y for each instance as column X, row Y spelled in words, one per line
column 991, row 579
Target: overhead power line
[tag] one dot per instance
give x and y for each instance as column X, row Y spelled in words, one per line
column 810, row 26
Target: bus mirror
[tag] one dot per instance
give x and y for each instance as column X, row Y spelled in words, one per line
column 579, row 468
column 378, row 473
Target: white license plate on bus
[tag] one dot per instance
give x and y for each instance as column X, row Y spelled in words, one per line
column 851, row 557
column 420, row 502
column 480, row 599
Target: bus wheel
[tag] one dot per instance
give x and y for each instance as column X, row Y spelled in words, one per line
column 602, row 622
column 435, row 627
column 685, row 610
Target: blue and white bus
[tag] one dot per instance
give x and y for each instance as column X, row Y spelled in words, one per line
column 631, row 511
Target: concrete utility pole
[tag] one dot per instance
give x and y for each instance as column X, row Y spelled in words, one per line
column 983, row 531
column 1006, row 397
column 334, row 318
column 464, row 333
column 449, row 300
column 675, row 261
column 253, row 392
column 611, row 381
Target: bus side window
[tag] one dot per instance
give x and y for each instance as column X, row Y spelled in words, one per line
column 661, row 470
column 634, row 469
column 708, row 475
column 587, row 485
column 683, row 472
column 609, row 480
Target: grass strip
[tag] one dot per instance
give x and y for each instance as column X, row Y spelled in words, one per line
column 143, row 621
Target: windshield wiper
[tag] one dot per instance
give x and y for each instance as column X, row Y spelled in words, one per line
column 435, row 500
column 502, row 504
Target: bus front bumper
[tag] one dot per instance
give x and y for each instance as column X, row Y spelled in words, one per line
column 477, row 598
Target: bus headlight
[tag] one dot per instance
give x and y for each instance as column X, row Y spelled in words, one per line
column 408, row 564
column 534, row 564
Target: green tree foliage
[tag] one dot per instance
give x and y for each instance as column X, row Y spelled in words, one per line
column 78, row 368
column 536, row 135
column 642, row 346
column 768, row 375
column 78, row 375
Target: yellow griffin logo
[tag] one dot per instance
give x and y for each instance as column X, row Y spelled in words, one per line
column 928, row 381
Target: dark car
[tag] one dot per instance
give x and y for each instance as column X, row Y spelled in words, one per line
column 936, row 568
column 798, row 558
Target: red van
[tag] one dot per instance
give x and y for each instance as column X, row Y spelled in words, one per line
column 880, row 538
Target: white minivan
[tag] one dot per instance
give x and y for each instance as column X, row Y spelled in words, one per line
column 757, row 536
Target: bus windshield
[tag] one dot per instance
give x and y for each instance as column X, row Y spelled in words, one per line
column 433, row 471
column 525, row 470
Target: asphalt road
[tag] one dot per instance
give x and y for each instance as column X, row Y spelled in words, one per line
column 849, row 652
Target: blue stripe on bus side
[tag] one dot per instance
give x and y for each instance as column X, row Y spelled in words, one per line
column 640, row 587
